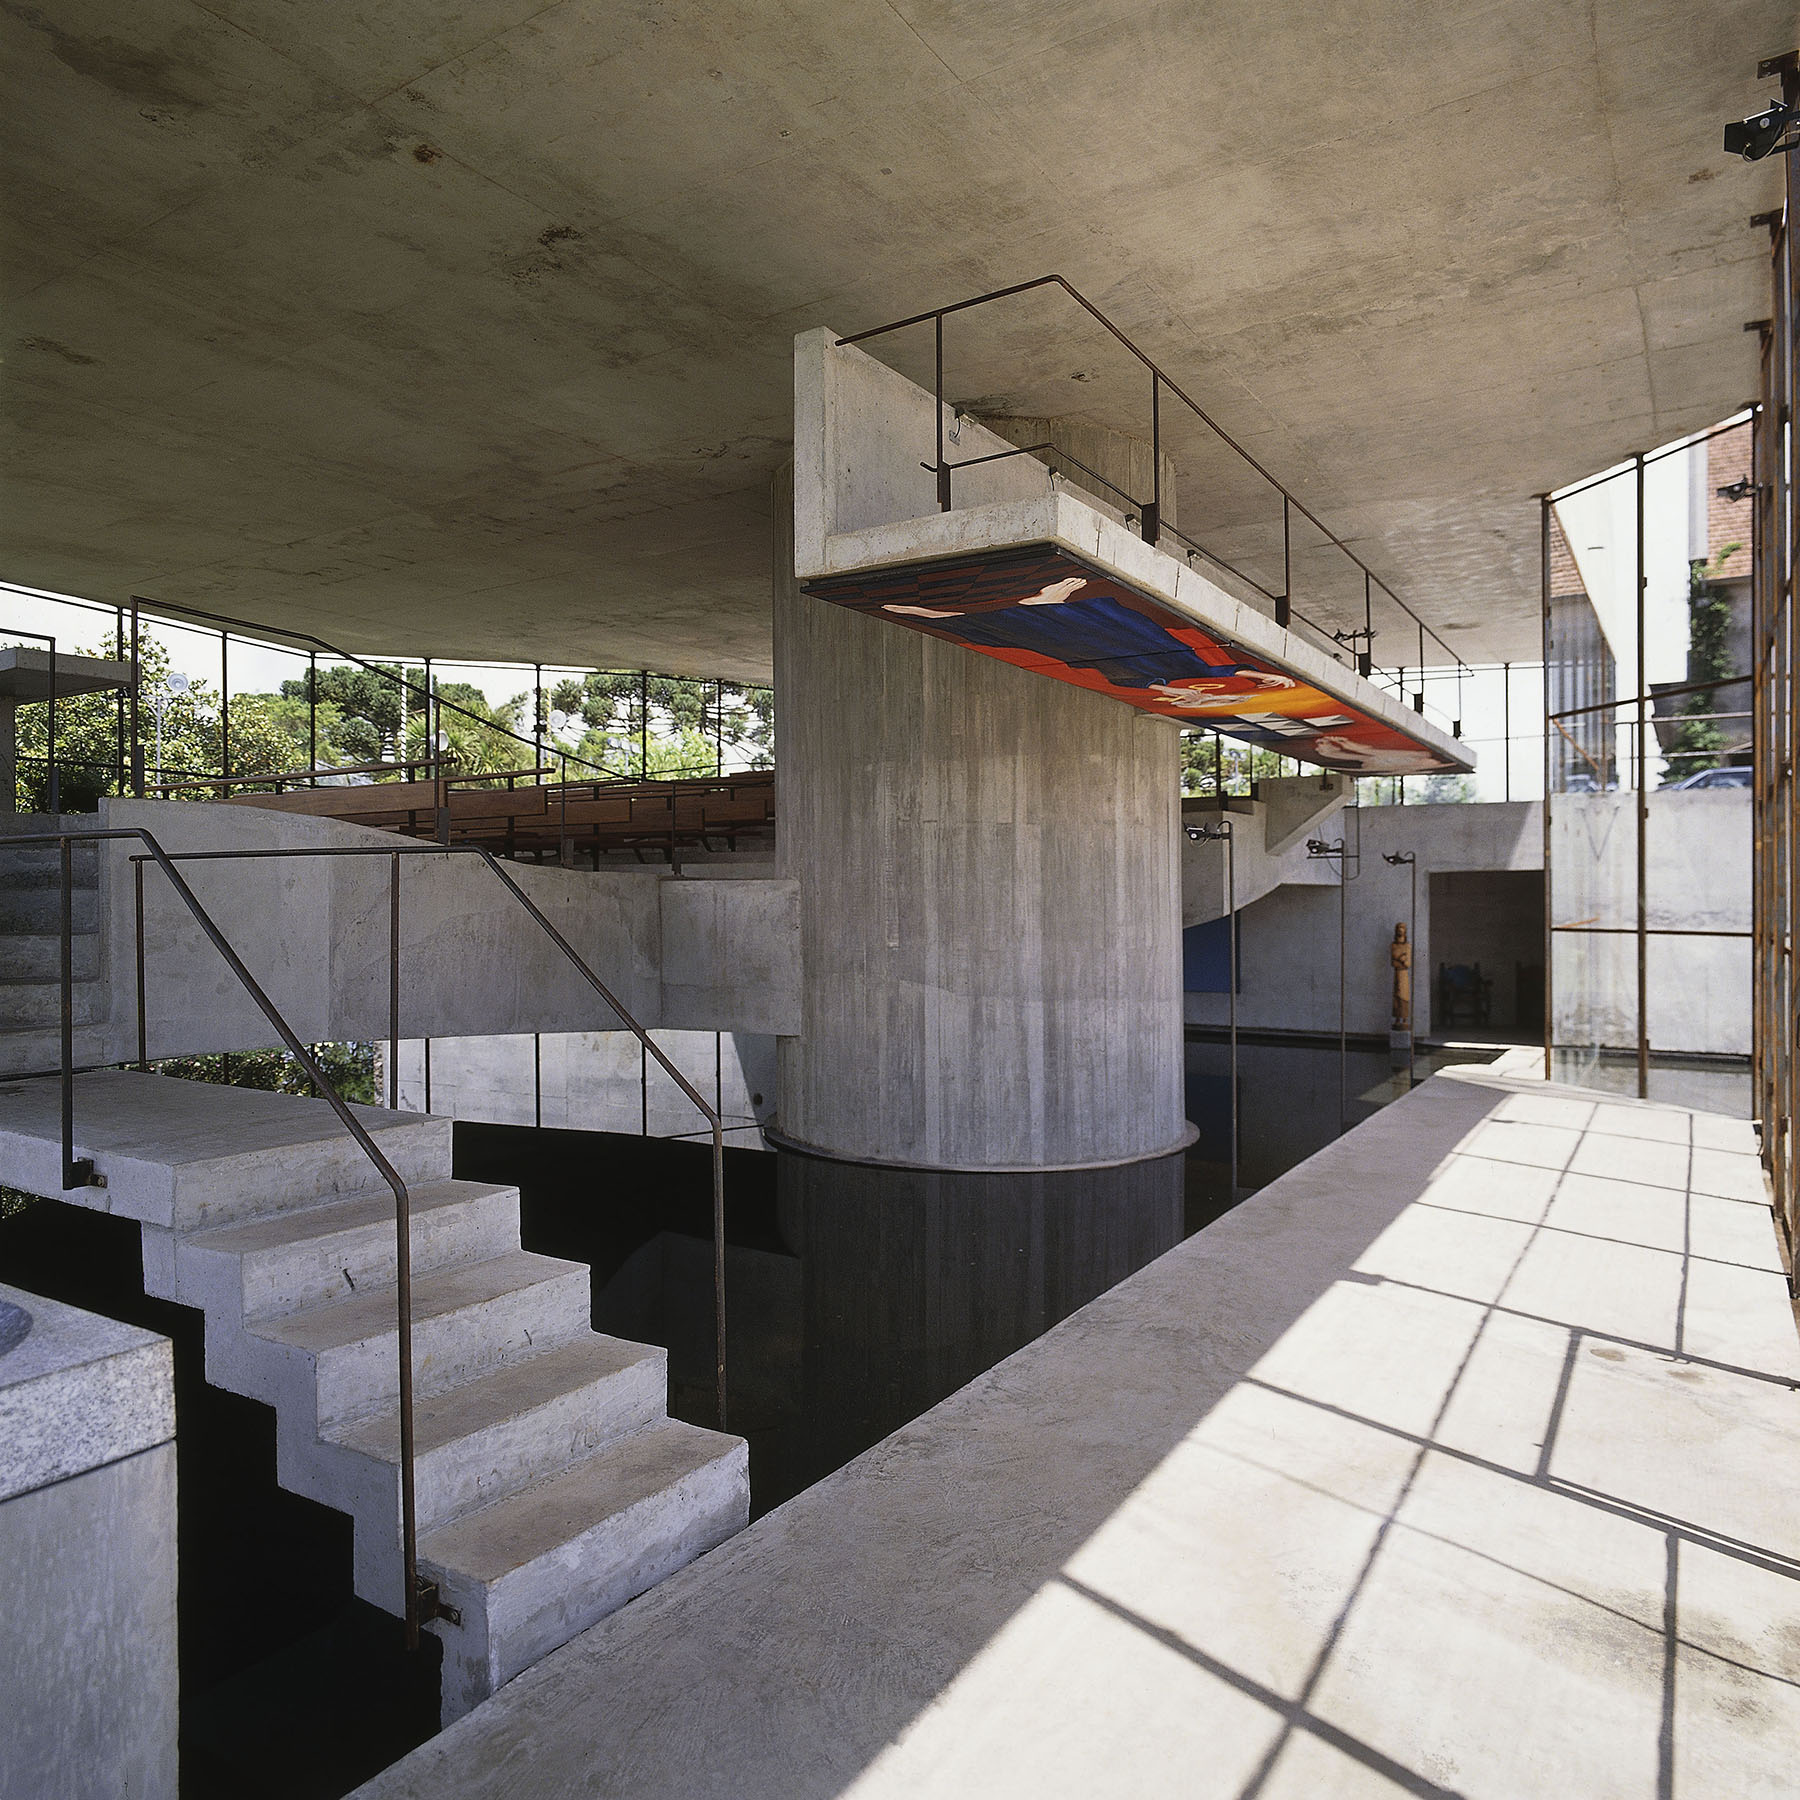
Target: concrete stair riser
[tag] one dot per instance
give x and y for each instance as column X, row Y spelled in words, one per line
column 588, row 1394
column 40, row 865
column 292, row 1261
column 37, row 956
column 38, row 1050
column 463, row 1474
column 499, row 1311
column 551, row 1485
column 39, row 909
column 192, row 1195
column 697, row 1497
column 32, row 1004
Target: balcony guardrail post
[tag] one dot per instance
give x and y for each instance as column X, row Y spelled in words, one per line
column 143, row 1029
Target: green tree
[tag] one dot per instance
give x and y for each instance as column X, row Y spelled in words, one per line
column 348, row 1068
column 484, row 744
column 679, row 721
column 265, row 737
column 1698, row 742
column 1204, row 757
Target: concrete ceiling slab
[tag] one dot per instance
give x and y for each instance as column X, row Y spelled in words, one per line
column 467, row 328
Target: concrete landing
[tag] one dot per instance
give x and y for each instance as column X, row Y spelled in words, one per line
column 189, row 1152
column 1458, row 1461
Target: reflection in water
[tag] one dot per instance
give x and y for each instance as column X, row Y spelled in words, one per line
column 1718, row 1084
column 859, row 1297
column 1290, row 1097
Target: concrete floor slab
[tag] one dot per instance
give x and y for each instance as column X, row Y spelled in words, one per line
column 1732, row 1174
column 1621, row 1290
column 1642, row 1124
column 1313, row 1505
column 1712, row 1132
column 1448, row 1252
column 1501, row 1190
column 1505, row 1403
column 1654, row 1161
column 1627, row 1212
column 1564, row 1109
column 1733, row 1231
column 1739, row 1316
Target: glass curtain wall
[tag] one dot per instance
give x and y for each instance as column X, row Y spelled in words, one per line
column 1775, row 706
column 218, row 710
column 1646, row 629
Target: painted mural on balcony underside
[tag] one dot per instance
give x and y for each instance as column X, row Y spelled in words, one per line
column 1045, row 610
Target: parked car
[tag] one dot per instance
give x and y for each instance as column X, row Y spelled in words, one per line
column 1736, row 776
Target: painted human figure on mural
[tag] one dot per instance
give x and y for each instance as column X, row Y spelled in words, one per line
column 1352, row 758
column 1100, row 633
column 1400, row 954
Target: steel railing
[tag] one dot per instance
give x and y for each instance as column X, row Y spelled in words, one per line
column 422, row 1601
column 1151, row 524
column 432, row 699
column 53, row 799
column 714, row 1120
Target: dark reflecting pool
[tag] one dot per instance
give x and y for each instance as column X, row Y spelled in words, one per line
column 856, row 1297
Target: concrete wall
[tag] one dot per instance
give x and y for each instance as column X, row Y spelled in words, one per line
column 1268, row 844
column 703, row 954
column 596, row 1081
column 990, row 898
column 1290, row 937
column 87, row 1542
column 1697, row 877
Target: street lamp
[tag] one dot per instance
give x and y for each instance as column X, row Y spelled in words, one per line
column 174, row 683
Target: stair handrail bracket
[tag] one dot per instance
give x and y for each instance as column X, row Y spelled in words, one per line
column 420, row 1598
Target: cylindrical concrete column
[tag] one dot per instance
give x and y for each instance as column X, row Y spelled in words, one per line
column 990, row 902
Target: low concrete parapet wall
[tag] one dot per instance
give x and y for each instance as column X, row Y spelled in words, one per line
column 315, row 932
column 87, row 1539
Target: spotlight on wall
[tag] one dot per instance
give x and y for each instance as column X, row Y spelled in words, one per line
column 1760, row 134
column 1741, row 489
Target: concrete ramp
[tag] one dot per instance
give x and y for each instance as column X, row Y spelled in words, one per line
column 1268, row 850
column 1455, row 1462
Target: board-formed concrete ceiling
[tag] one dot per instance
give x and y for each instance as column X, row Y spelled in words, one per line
column 467, row 328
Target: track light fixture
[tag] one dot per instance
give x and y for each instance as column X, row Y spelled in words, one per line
column 1762, row 133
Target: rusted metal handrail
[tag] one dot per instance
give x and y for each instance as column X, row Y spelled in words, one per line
column 420, row 1603
column 713, row 1119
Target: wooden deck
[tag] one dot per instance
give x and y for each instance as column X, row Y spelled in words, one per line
column 651, row 819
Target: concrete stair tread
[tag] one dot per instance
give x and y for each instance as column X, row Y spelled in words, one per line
column 191, row 1155
column 331, row 1218
column 498, row 1540
column 370, row 1315
column 156, row 1118
column 505, row 1393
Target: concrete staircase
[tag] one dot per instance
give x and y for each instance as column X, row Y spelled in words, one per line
column 31, row 947
column 552, row 1486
